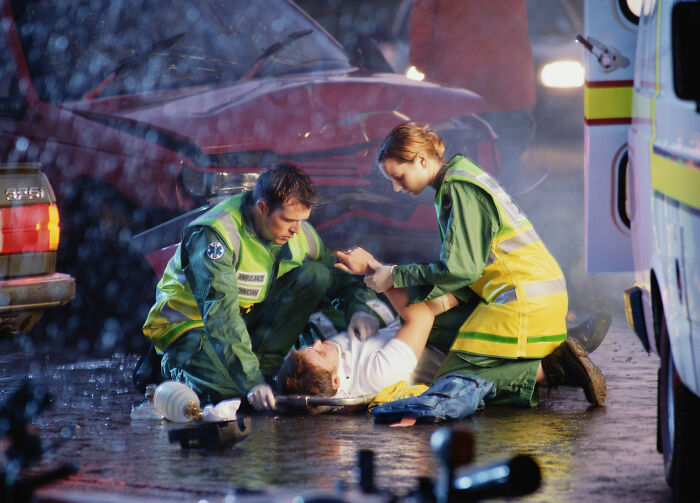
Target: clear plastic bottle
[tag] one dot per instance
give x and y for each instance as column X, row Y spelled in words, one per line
column 176, row 401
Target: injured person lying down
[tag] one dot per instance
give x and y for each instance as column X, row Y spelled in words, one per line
column 344, row 366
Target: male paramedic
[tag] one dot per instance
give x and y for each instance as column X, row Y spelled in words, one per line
column 240, row 287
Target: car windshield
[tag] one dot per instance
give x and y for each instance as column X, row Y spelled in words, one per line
column 82, row 49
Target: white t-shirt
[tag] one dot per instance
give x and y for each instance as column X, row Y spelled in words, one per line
column 367, row 367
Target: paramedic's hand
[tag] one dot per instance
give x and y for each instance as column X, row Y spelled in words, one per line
column 261, row 397
column 354, row 260
column 381, row 278
column 363, row 325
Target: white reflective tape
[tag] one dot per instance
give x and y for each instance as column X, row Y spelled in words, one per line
column 548, row 287
column 492, row 258
column 518, row 241
column 172, row 315
column 505, row 297
column 227, row 221
column 310, row 239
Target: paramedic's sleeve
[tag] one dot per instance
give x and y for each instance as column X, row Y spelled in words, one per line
column 214, row 285
column 421, row 22
column 472, row 222
column 349, row 290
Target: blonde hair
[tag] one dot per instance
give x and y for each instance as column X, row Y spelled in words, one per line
column 406, row 140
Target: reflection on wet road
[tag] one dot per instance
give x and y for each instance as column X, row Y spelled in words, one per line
column 585, row 453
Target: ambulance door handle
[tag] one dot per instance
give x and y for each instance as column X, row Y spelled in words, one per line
column 622, row 168
column 608, row 58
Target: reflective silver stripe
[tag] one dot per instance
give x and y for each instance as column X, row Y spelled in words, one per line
column 518, row 241
column 171, row 315
column 505, row 297
column 461, row 172
column 492, row 258
column 175, row 272
column 310, row 239
column 227, row 221
column 545, row 287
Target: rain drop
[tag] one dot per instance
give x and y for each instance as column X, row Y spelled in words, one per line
column 22, row 144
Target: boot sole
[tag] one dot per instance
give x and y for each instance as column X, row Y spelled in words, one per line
column 595, row 389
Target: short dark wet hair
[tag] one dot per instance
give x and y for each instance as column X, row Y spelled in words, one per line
column 283, row 183
column 299, row 377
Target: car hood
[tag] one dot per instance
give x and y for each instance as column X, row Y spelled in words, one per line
column 286, row 116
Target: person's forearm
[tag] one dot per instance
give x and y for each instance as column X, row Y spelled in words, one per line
column 418, row 322
column 418, row 318
column 399, row 298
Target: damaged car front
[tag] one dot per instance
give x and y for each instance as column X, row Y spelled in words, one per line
column 141, row 112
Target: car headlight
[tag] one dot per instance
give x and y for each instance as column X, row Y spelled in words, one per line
column 414, row 74
column 216, row 183
column 562, row 74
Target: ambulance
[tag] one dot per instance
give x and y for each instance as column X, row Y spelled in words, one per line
column 642, row 192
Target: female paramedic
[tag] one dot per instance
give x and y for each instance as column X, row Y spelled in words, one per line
column 492, row 258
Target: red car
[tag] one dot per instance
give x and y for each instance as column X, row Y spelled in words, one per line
column 29, row 235
column 141, row 114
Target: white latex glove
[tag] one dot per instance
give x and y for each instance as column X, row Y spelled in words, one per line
column 363, row 325
column 381, row 279
column 261, row 397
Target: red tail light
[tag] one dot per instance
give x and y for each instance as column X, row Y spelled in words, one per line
column 29, row 229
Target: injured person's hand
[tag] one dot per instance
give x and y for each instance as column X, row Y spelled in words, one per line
column 261, row 397
column 363, row 325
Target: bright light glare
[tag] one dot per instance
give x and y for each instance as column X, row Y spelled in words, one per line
column 413, row 74
column 562, row 74
column 635, row 6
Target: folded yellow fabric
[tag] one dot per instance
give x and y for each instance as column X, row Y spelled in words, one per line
column 397, row 391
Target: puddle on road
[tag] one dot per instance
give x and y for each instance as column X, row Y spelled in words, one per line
column 89, row 423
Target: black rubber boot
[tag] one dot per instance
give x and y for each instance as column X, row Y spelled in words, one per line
column 147, row 369
column 569, row 365
column 591, row 332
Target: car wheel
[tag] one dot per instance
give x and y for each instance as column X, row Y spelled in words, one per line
column 679, row 415
column 114, row 285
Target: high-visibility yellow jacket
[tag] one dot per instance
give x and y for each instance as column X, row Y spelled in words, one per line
column 523, row 289
column 176, row 310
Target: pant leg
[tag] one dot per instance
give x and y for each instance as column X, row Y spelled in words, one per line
column 192, row 360
column 275, row 324
column 515, row 379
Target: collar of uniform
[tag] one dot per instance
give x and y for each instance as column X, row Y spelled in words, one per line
column 344, row 372
column 246, row 209
column 441, row 175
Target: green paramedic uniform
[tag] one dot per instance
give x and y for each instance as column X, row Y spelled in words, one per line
column 230, row 305
column 491, row 250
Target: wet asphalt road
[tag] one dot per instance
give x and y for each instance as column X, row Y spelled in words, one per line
column 585, row 453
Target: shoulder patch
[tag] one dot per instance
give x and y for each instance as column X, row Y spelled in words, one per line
column 215, row 250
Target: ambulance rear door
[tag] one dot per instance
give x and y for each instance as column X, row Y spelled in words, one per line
column 610, row 28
